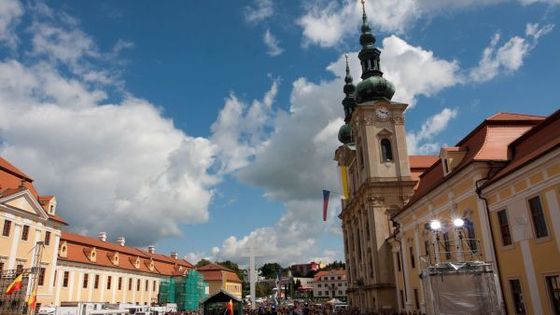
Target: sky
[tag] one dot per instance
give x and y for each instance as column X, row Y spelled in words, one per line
column 210, row 129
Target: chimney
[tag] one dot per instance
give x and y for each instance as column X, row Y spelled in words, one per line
column 152, row 249
column 121, row 240
column 174, row 255
column 102, row 236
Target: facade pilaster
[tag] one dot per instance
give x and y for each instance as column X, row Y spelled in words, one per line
column 14, row 245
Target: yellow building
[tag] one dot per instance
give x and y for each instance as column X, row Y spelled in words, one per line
column 446, row 192
column 489, row 204
column 523, row 198
column 96, row 270
column 73, row 267
column 221, row 278
column 27, row 218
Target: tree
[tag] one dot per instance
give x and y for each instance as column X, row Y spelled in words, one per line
column 263, row 289
column 270, row 270
column 203, row 262
column 335, row 265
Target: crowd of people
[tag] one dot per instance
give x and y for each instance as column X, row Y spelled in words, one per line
column 298, row 308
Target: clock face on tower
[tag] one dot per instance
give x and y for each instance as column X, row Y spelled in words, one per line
column 382, row 112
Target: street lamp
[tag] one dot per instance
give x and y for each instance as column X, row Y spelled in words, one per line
column 458, row 222
column 435, row 225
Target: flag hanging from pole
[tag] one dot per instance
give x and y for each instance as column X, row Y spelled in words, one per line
column 326, row 195
column 344, row 182
column 32, row 300
column 229, row 307
column 15, row 285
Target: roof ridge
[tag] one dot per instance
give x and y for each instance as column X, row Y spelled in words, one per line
column 10, row 168
column 554, row 116
column 496, row 115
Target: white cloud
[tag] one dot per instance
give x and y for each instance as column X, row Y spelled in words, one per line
column 413, row 70
column 528, row 2
column 510, row 56
column 296, row 162
column 114, row 166
column 272, row 44
column 421, row 141
column 240, row 129
column 328, row 23
column 58, row 39
column 293, row 238
column 10, row 12
column 259, row 11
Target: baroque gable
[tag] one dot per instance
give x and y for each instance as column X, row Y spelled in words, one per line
column 23, row 202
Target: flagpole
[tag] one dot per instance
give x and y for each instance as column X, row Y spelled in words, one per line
column 33, row 276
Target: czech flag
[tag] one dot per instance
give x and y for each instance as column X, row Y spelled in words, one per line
column 229, row 307
column 15, row 285
column 326, row 195
column 32, row 300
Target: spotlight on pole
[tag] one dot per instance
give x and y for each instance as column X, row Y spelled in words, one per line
column 435, row 225
column 458, row 222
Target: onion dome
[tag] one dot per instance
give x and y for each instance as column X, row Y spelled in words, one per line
column 345, row 134
column 373, row 86
column 349, row 103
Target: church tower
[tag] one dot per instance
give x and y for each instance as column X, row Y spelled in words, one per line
column 374, row 163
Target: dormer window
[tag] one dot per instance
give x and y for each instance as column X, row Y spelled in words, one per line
column 445, row 166
column 114, row 257
column 451, row 157
column 91, row 253
column 63, row 250
column 386, row 150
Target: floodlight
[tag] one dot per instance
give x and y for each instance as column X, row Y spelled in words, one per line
column 435, row 225
column 458, row 222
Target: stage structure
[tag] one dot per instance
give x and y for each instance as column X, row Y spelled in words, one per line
column 454, row 277
column 16, row 302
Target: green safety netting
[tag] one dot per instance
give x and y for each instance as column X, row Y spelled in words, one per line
column 186, row 291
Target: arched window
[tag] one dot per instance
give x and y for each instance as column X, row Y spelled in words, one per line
column 471, row 235
column 386, row 150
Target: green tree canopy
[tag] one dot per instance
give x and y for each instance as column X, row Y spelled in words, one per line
column 335, row 265
column 270, row 270
column 203, row 262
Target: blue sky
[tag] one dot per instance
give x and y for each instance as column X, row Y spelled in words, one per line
column 205, row 128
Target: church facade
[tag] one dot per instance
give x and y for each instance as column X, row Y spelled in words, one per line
column 490, row 198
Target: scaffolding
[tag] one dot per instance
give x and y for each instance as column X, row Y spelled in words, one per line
column 186, row 291
column 455, row 278
column 16, row 302
column 167, row 291
column 460, row 288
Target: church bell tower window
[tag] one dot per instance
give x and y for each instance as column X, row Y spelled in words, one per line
column 386, row 150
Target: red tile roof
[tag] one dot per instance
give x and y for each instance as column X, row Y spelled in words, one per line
column 514, row 116
column 163, row 265
column 57, row 218
column 216, row 272
column 538, row 141
column 8, row 167
column 11, row 180
column 487, row 142
column 213, row 266
column 419, row 164
column 334, row 272
column 421, row 161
